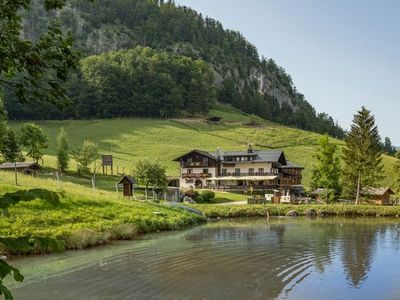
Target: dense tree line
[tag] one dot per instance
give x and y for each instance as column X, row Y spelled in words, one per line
column 242, row 79
column 135, row 82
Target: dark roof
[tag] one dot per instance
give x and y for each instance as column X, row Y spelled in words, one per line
column 259, row 155
column 277, row 156
column 376, row 191
column 205, row 153
column 127, row 178
column 290, row 165
column 319, row 191
column 21, row 165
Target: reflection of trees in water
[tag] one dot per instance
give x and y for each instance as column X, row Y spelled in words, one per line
column 325, row 238
column 279, row 229
column 358, row 248
column 297, row 248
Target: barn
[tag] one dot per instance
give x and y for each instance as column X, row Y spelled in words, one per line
column 381, row 196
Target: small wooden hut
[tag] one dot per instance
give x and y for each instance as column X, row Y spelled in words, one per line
column 127, row 183
column 24, row 167
column 319, row 195
column 381, row 196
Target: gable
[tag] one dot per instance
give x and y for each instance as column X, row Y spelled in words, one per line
column 196, row 155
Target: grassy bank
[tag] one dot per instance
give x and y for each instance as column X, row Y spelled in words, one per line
column 39, row 217
column 236, row 211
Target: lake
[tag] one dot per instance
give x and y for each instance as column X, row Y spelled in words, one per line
column 283, row 258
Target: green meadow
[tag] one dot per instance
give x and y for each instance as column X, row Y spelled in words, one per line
column 39, row 216
column 130, row 140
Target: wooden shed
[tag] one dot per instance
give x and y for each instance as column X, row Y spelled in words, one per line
column 127, row 183
column 381, row 196
column 24, row 167
column 319, row 194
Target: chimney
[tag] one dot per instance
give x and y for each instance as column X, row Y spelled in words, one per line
column 218, row 153
column 250, row 148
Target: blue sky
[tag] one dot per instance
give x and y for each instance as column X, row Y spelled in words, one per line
column 340, row 54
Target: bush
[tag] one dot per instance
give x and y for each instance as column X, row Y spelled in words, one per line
column 200, row 199
column 208, row 197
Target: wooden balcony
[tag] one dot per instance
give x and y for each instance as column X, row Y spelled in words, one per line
column 241, row 174
column 196, row 175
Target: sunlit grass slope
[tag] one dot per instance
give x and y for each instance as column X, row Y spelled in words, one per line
column 132, row 139
column 39, row 216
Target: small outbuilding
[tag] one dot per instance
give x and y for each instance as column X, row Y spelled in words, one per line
column 319, row 194
column 381, row 196
column 24, row 167
column 127, row 183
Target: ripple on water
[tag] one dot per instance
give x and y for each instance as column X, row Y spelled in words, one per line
column 252, row 260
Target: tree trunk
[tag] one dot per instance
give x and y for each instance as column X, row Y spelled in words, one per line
column 358, row 189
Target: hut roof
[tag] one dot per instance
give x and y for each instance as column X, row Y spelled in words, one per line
column 128, row 179
column 376, row 191
column 319, row 191
column 21, row 165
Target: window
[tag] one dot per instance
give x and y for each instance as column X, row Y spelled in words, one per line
column 237, row 171
column 261, row 171
column 189, row 171
column 189, row 160
column 224, row 172
column 189, row 180
column 205, row 171
column 205, row 160
column 251, row 171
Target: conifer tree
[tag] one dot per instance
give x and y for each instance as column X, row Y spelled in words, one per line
column 397, row 173
column 3, row 123
column 63, row 151
column 326, row 171
column 362, row 155
column 11, row 150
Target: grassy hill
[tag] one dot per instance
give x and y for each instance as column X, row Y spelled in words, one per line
column 130, row 140
column 39, row 216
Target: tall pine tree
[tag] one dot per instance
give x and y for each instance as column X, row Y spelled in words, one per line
column 396, row 183
column 11, row 150
column 63, row 151
column 3, row 123
column 362, row 155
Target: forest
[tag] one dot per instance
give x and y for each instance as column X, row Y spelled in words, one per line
column 188, row 61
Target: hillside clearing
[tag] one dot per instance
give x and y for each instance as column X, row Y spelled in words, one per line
column 130, row 140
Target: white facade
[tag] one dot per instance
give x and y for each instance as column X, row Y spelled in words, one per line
column 193, row 176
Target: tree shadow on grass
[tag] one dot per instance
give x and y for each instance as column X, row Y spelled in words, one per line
column 9, row 199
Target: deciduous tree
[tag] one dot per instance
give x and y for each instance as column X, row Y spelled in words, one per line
column 85, row 155
column 33, row 140
column 150, row 173
column 326, row 171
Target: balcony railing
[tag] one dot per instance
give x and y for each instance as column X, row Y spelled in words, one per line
column 236, row 188
column 196, row 175
column 248, row 174
column 195, row 164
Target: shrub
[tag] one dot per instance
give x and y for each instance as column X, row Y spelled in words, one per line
column 200, row 199
column 208, row 196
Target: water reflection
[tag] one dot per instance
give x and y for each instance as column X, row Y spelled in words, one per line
column 241, row 259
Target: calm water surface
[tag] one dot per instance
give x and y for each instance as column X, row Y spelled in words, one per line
column 240, row 259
